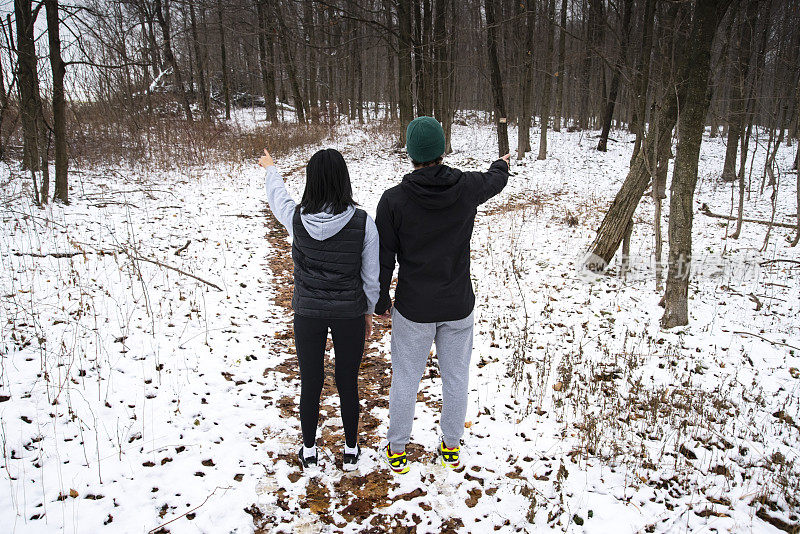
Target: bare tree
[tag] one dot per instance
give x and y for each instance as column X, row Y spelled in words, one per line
column 548, row 80
column 694, row 74
column 34, row 130
column 642, row 77
column 404, row 83
column 608, row 114
column 738, row 93
column 560, row 75
column 524, row 122
column 201, row 64
column 59, row 103
column 500, row 118
column 163, row 16
column 265, row 55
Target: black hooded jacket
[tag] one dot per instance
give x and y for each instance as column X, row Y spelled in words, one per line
column 426, row 223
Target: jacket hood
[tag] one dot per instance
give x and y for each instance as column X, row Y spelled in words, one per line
column 323, row 225
column 434, row 187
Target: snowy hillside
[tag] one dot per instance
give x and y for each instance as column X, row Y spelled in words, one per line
column 149, row 380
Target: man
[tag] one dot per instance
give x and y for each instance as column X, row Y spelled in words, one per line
column 426, row 223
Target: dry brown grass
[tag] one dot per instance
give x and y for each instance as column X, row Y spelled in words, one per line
column 97, row 136
column 158, row 137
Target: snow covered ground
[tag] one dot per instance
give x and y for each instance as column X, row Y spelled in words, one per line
column 136, row 397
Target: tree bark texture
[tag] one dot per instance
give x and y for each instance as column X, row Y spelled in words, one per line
column 500, row 119
column 694, row 107
column 404, row 81
column 608, row 114
column 738, row 92
column 548, row 80
column 59, row 103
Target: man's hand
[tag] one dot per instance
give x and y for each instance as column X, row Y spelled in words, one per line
column 506, row 158
column 266, row 160
column 368, row 325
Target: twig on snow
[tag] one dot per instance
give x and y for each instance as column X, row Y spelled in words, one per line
column 184, row 247
column 127, row 253
column 779, row 260
column 151, row 531
column 166, row 266
column 740, row 332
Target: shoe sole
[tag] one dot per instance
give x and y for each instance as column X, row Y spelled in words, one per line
column 450, row 465
column 349, row 467
column 392, row 469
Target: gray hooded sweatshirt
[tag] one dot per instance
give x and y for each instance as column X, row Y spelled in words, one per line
column 323, row 225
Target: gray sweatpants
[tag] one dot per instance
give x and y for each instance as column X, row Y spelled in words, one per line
column 411, row 345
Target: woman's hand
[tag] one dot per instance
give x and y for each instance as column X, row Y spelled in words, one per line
column 266, row 160
column 506, row 158
column 368, row 325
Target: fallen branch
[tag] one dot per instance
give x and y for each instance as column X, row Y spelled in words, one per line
column 59, row 254
column 164, row 265
column 159, row 527
column 796, row 262
column 704, row 209
column 184, row 247
column 767, row 340
column 124, row 251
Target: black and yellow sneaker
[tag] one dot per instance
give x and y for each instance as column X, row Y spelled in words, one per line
column 397, row 461
column 449, row 457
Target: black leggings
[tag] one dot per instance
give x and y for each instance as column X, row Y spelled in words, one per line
column 310, row 337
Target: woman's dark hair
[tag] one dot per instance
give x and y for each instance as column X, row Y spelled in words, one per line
column 327, row 184
column 436, row 161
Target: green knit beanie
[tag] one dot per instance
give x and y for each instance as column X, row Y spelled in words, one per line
column 424, row 139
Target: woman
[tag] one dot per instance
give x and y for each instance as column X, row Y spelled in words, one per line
column 335, row 253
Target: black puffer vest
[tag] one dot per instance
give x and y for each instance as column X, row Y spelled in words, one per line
column 327, row 274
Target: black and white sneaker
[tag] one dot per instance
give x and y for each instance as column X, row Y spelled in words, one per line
column 350, row 461
column 309, row 462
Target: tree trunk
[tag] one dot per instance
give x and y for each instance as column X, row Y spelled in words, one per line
column 797, row 193
column 608, row 114
column 745, row 141
column 426, row 83
column 223, row 51
column 59, row 103
column 500, row 118
column 205, row 104
column 694, row 106
column 313, row 99
column 357, row 95
column 444, row 73
column 28, row 85
column 562, row 34
column 611, row 231
column 596, row 74
column 548, row 80
column 524, row 123
column 654, row 153
column 155, row 53
column 164, row 22
column 265, row 61
column 404, row 82
column 290, row 67
column 642, row 79
column 737, row 108
column 34, row 130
